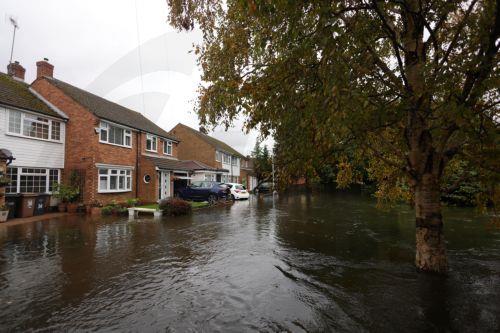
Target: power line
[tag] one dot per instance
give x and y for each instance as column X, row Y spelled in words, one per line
column 140, row 56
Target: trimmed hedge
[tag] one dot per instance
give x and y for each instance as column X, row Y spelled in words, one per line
column 175, row 207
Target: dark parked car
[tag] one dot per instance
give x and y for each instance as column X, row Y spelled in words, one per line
column 265, row 187
column 205, row 191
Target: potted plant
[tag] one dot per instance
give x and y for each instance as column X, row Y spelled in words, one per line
column 4, row 213
column 95, row 208
column 4, row 181
column 72, row 197
column 67, row 195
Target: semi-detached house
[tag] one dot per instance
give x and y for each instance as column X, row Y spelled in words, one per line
column 118, row 153
column 198, row 145
column 34, row 131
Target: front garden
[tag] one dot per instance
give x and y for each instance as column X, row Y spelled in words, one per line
column 169, row 207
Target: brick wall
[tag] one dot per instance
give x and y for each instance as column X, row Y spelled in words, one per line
column 147, row 192
column 160, row 151
column 82, row 148
column 192, row 147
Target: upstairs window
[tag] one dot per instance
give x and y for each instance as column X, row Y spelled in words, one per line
column 33, row 126
column 115, row 135
column 217, row 156
column 167, row 147
column 55, row 133
column 151, row 143
column 226, row 158
column 234, row 160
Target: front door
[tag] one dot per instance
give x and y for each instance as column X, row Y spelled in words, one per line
column 164, row 184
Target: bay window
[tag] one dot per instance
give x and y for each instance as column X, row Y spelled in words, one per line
column 167, row 147
column 114, row 180
column 114, row 135
column 151, row 143
column 34, row 126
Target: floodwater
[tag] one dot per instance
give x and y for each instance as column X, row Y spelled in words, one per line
column 313, row 263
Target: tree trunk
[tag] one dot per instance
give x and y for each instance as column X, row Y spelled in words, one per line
column 430, row 244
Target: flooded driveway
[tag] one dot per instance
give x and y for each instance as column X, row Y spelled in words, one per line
column 327, row 262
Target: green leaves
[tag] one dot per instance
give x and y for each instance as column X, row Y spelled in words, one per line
column 369, row 78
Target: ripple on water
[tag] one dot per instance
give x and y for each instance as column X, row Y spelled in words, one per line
column 301, row 263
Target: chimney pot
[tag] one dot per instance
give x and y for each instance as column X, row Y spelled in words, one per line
column 44, row 68
column 16, row 70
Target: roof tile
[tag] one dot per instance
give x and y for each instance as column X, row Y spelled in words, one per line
column 111, row 111
column 219, row 145
column 17, row 94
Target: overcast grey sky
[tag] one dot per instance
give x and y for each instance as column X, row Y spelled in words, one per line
column 98, row 46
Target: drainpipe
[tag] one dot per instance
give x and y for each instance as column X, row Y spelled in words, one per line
column 137, row 155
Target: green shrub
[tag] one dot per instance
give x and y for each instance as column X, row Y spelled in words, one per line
column 175, row 207
column 107, row 210
column 66, row 193
column 4, row 181
column 115, row 209
column 133, row 202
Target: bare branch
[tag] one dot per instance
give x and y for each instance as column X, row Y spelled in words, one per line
column 454, row 41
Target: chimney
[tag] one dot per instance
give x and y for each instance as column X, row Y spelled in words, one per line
column 44, row 68
column 16, row 70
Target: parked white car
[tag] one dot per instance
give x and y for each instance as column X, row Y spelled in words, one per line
column 238, row 191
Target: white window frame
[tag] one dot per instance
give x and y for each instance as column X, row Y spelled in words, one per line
column 217, row 156
column 234, row 161
column 48, row 121
column 104, row 126
column 168, row 144
column 104, row 172
column 226, row 156
column 47, row 175
column 154, row 140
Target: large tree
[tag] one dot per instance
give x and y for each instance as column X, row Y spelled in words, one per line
column 408, row 85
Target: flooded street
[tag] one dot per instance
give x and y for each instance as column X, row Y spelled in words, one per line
column 326, row 262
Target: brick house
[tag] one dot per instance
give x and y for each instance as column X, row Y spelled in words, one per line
column 34, row 131
column 119, row 153
column 197, row 145
column 248, row 178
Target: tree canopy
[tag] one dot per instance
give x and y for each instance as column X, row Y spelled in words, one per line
column 262, row 163
column 402, row 86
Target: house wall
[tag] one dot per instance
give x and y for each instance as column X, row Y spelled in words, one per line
column 148, row 192
column 160, row 151
column 234, row 170
column 192, row 147
column 83, row 149
column 31, row 152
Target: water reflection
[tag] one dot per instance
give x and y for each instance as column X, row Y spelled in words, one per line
column 316, row 262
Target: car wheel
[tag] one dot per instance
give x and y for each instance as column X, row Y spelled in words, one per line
column 232, row 197
column 212, row 199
